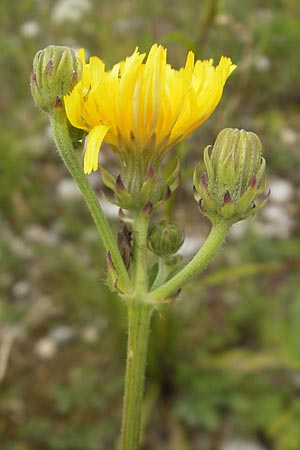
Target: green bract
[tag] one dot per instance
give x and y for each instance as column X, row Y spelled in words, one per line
column 136, row 187
column 234, row 176
column 56, row 70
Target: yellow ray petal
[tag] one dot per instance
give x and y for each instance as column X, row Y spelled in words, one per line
column 95, row 139
column 73, row 105
column 85, row 71
column 97, row 68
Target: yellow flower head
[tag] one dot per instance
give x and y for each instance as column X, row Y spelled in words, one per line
column 143, row 107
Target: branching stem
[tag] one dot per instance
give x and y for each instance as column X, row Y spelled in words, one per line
column 71, row 160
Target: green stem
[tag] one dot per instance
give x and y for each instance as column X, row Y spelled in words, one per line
column 71, row 160
column 139, row 316
column 140, row 234
column 195, row 266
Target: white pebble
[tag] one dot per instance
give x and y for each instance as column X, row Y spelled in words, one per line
column 109, row 209
column 191, row 245
column 281, row 190
column 62, row 335
column 70, row 10
column 90, row 334
column 67, row 189
column 242, row 445
column 20, row 289
column 288, row 136
column 45, row 348
column 262, row 63
column 30, row 28
column 37, row 234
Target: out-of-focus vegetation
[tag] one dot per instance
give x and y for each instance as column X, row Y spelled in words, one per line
column 225, row 359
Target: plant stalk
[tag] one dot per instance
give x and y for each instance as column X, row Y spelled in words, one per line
column 139, row 316
column 71, row 160
column 199, row 262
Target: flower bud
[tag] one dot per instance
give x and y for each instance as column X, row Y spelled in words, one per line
column 165, row 238
column 234, row 176
column 56, row 70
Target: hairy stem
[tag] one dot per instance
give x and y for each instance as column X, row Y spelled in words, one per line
column 139, row 316
column 140, row 233
column 212, row 244
column 71, row 160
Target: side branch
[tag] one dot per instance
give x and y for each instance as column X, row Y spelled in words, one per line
column 199, row 262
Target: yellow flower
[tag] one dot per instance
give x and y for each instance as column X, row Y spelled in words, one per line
column 143, row 108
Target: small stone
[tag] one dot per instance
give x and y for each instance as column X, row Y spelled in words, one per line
column 282, row 190
column 90, row 334
column 21, row 289
column 238, row 230
column 70, row 10
column 242, row 445
column 277, row 223
column 110, row 210
column 288, row 136
column 191, row 245
column 20, row 248
column 37, row 234
column 30, row 28
column 45, row 348
column 275, row 214
column 223, row 20
column 67, row 189
column 262, row 63
column 62, row 335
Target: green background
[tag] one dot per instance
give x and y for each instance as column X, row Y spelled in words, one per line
column 224, row 360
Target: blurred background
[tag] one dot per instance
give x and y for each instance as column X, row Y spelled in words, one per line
column 224, row 363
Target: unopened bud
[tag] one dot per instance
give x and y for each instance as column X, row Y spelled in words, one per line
column 234, row 177
column 56, row 70
column 165, row 238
